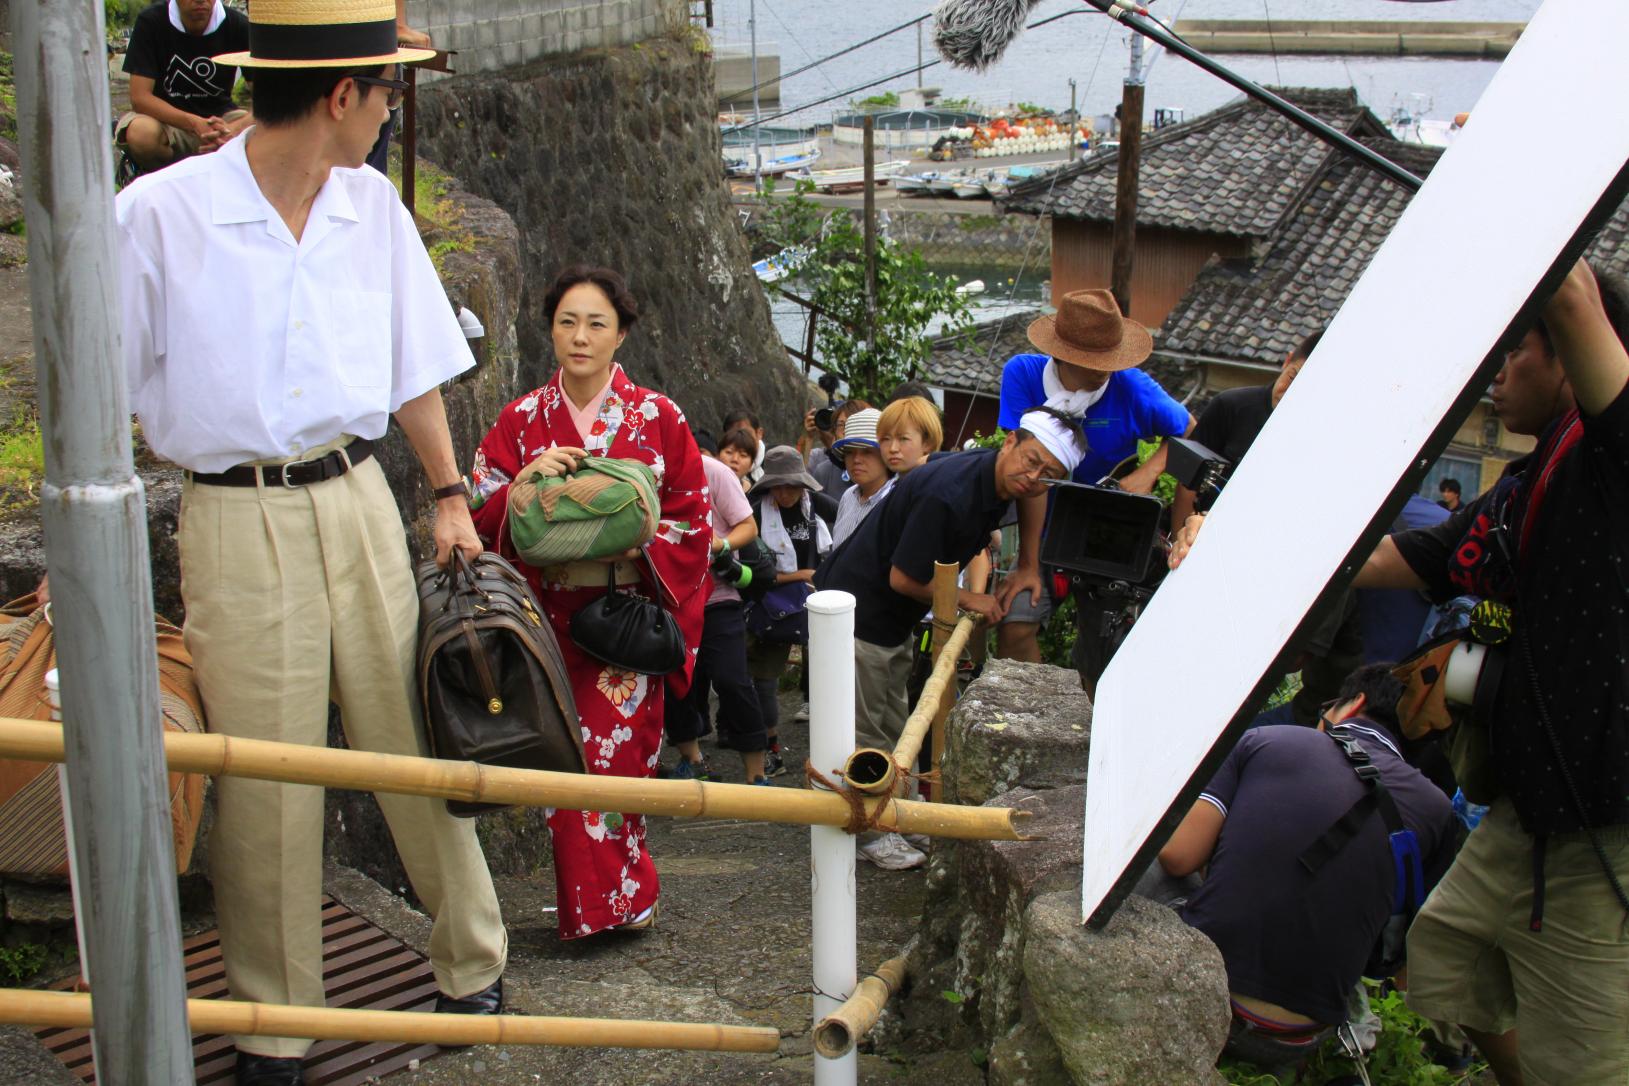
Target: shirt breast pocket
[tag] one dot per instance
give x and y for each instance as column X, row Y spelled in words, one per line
column 363, row 341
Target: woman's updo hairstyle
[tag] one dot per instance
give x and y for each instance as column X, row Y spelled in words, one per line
column 622, row 300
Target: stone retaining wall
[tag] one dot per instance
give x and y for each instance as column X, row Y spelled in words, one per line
column 490, row 35
column 614, row 158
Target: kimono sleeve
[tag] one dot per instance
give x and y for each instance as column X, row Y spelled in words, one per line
column 497, row 461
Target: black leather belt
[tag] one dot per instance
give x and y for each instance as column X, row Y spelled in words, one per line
column 294, row 473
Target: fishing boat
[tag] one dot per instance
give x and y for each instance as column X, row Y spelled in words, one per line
column 772, row 269
column 850, row 178
column 913, row 184
column 772, row 167
column 944, row 184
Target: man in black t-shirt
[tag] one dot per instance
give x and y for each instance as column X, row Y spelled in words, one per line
column 943, row 511
column 180, row 99
column 1295, row 942
column 1528, row 933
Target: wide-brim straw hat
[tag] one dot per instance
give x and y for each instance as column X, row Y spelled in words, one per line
column 322, row 34
column 783, row 466
column 1088, row 331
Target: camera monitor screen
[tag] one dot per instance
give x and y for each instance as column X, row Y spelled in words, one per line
column 1101, row 532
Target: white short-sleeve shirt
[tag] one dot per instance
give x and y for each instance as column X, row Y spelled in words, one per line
column 242, row 344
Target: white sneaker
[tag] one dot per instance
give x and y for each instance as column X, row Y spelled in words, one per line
column 802, row 714
column 918, row 841
column 891, row 853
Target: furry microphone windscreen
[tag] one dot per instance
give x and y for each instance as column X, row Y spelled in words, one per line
column 974, row 33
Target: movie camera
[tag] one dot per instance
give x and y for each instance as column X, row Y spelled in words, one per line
column 1110, row 546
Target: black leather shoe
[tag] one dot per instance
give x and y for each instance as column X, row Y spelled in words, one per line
column 256, row 1070
column 488, row 1000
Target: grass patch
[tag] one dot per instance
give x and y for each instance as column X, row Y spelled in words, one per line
column 19, row 963
column 22, row 463
column 441, row 220
column 8, row 99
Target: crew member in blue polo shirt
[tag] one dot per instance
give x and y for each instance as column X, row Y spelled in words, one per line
column 1087, row 369
column 941, row 512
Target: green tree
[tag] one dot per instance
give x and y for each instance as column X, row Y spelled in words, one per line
column 873, row 355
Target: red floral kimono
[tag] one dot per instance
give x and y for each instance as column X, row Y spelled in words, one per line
column 603, row 872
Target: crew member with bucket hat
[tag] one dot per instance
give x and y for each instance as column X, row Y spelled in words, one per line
column 278, row 310
column 1088, row 369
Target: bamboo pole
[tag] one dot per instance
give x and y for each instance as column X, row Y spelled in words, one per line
column 944, row 605
column 73, row 1010
column 296, row 763
column 838, row 1032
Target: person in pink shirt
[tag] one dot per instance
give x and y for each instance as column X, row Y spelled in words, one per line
column 721, row 662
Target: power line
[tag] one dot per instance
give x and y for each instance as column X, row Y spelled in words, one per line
column 887, row 78
column 841, row 52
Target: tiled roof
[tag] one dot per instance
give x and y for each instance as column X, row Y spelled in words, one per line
column 1256, row 310
column 1236, row 170
column 974, row 365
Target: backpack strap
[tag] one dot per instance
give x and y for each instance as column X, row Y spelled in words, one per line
column 1409, row 890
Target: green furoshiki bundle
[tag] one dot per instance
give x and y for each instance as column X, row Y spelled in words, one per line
column 606, row 507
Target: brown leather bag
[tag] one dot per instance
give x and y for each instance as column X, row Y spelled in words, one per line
column 492, row 682
column 32, row 841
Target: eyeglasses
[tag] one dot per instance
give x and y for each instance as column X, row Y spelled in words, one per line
column 398, row 88
column 1325, row 709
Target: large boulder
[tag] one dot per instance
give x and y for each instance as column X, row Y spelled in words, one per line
column 11, row 206
column 1027, row 724
column 1143, row 1000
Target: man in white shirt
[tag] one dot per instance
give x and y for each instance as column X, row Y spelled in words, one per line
column 322, row 318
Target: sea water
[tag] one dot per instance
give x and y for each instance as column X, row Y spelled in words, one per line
column 1093, row 50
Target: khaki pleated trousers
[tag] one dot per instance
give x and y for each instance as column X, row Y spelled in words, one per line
column 293, row 597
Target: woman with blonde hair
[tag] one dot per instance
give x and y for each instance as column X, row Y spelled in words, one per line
column 907, row 432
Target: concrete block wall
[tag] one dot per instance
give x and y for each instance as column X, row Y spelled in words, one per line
column 489, row 35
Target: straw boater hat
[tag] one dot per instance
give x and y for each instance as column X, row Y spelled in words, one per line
column 783, row 466
column 322, row 34
column 1090, row 332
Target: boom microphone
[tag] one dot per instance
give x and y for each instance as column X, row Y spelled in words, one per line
column 974, row 33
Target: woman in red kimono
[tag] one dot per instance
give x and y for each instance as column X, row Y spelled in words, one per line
column 603, row 872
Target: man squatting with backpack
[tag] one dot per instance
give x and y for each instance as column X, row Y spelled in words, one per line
column 1525, row 942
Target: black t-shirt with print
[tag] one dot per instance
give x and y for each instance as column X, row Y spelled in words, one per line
column 180, row 65
column 1552, row 539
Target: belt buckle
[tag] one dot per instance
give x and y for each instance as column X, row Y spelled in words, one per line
column 283, row 472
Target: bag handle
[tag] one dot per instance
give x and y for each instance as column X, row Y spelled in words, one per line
column 456, row 567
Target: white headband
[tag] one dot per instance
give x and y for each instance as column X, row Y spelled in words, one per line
column 1061, row 440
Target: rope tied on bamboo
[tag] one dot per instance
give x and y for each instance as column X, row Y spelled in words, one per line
column 861, row 819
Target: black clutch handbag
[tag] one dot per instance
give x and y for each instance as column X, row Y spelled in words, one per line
column 629, row 631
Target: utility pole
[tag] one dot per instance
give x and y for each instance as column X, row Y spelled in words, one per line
column 870, row 233
column 757, row 157
column 1125, row 193
column 1074, row 121
column 95, row 513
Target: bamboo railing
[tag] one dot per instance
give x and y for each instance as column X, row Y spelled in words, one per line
column 73, row 1010
column 295, row 763
column 839, row 1031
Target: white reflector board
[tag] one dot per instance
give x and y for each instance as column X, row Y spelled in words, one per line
column 1494, row 215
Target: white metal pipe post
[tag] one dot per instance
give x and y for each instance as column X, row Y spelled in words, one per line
column 95, row 516
column 831, row 850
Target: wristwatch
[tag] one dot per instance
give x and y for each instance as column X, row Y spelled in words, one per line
column 452, row 490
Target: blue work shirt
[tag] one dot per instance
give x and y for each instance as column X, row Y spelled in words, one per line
column 1132, row 407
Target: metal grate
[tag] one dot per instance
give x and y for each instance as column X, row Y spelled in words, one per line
column 362, row 967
